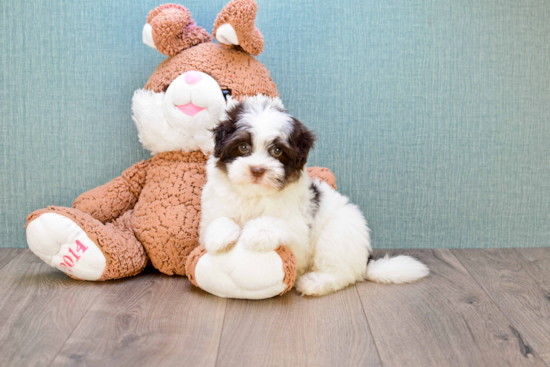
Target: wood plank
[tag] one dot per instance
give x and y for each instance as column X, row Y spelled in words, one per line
column 297, row 331
column 151, row 319
column 443, row 320
column 518, row 281
column 39, row 309
column 7, row 254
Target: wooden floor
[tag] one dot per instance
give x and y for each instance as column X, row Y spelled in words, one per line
column 477, row 308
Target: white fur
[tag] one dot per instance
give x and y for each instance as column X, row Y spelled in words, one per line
column 164, row 128
column 331, row 245
column 221, row 235
column 266, row 234
column 399, row 269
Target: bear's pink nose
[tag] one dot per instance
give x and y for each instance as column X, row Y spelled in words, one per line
column 192, row 77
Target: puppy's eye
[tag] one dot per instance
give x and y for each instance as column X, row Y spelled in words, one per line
column 244, row 148
column 226, row 93
column 276, row 152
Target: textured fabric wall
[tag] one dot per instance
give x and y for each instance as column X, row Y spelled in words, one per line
column 433, row 114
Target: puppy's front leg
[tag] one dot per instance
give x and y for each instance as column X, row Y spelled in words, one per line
column 265, row 234
column 221, row 235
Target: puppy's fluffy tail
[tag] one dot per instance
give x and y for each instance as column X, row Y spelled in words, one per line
column 397, row 270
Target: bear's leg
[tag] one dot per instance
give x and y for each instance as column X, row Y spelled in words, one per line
column 240, row 273
column 83, row 247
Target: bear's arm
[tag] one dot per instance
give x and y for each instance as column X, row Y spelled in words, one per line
column 324, row 174
column 107, row 202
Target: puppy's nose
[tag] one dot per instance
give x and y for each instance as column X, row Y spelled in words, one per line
column 257, row 171
column 193, row 77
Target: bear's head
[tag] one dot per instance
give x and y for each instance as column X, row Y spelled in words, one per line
column 187, row 93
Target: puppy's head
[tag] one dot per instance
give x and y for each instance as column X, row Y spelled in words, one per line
column 260, row 147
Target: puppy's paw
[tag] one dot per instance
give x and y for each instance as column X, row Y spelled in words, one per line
column 221, row 235
column 262, row 234
column 317, row 284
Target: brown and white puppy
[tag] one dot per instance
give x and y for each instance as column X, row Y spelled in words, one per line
column 285, row 140
column 258, row 192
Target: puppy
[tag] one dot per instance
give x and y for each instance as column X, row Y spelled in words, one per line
column 259, row 193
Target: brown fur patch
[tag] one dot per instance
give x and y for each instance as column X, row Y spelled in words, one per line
column 228, row 137
column 301, row 140
column 295, row 150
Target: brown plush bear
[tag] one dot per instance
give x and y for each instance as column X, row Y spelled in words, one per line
column 152, row 211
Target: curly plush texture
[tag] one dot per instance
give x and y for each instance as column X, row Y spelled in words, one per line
column 235, row 70
column 124, row 254
column 287, row 257
column 191, row 263
column 110, row 201
column 174, row 29
column 324, row 174
column 289, row 264
column 241, row 15
column 167, row 215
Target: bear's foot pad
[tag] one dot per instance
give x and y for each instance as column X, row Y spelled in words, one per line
column 61, row 243
column 241, row 273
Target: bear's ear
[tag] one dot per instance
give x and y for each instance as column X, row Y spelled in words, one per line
column 171, row 29
column 234, row 27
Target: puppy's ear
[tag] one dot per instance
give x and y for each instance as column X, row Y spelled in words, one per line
column 171, row 29
column 221, row 132
column 234, row 27
column 302, row 140
column 226, row 127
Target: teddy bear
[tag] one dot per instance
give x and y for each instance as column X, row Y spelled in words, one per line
column 151, row 213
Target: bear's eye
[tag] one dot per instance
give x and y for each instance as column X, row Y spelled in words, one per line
column 226, row 93
column 244, row 148
column 276, row 152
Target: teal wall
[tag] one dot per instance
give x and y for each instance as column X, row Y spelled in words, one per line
column 433, row 114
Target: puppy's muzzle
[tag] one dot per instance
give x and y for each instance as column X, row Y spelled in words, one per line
column 257, row 172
